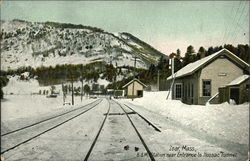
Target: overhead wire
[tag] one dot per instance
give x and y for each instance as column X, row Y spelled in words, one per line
column 229, row 27
column 239, row 26
column 232, row 28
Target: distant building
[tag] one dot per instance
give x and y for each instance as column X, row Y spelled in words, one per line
column 95, row 87
column 134, row 88
column 199, row 82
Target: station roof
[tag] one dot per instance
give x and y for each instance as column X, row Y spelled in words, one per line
column 193, row 67
column 133, row 81
column 238, row 80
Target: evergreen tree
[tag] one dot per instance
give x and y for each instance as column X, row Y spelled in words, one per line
column 189, row 56
column 152, row 69
column 210, row 51
column 246, row 56
column 231, row 48
column 201, row 52
column 162, row 63
column 111, row 73
column 3, row 82
column 217, row 48
column 178, row 53
column 86, row 89
column 177, row 64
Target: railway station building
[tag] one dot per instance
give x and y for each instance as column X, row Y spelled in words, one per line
column 199, row 82
column 134, row 88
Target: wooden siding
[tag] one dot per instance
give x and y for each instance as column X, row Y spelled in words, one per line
column 221, row 72
column 137, row 86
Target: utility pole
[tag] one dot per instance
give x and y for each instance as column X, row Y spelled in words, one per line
column 82, row 88
column 63, row 94
column 158, row 80
column 172, row 62
column 81, row 81
column 133, row 79
column 173, row 77
column 72, row 92
column 72, row 87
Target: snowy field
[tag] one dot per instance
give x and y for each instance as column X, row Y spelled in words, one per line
column 21, row 110
column 24, row 106
column 16, row 86
column 225, row 121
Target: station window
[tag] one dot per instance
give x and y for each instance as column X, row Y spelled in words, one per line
column 206, row 87
column 178, row 90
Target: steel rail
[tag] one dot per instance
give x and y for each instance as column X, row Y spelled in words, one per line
column 156, row 128
column 98, row 133
column 53, row 127
column 39, row 122
column 139, row 135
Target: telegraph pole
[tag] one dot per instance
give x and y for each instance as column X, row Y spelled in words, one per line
column 82, row 88
column 158, row 79
column 172, row 69
column 72, row 92
column 72, row 87
column 63, row 94
column 81, row 81
column 133, row 79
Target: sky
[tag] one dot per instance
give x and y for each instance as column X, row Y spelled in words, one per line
column 165, row 25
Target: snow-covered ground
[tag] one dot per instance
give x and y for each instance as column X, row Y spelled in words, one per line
column 16, row 86
column 225, row 121
column 23, row 105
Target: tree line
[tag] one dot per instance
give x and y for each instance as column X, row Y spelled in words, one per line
column 241, row 51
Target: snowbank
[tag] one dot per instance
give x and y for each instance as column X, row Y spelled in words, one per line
column 225, row 121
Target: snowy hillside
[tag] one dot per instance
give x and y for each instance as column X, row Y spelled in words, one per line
column 48, row 44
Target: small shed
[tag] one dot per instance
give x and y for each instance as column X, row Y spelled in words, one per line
column 237, row 90
column 134, row 88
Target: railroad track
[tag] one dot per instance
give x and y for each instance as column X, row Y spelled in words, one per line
column 98, row 133
column 137, row 132
column 50, row 118
column 149, row 122
column 51, row 128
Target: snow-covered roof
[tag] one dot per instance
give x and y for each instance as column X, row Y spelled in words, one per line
column 193, row 67
column 133, row 81
column 238, row 80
